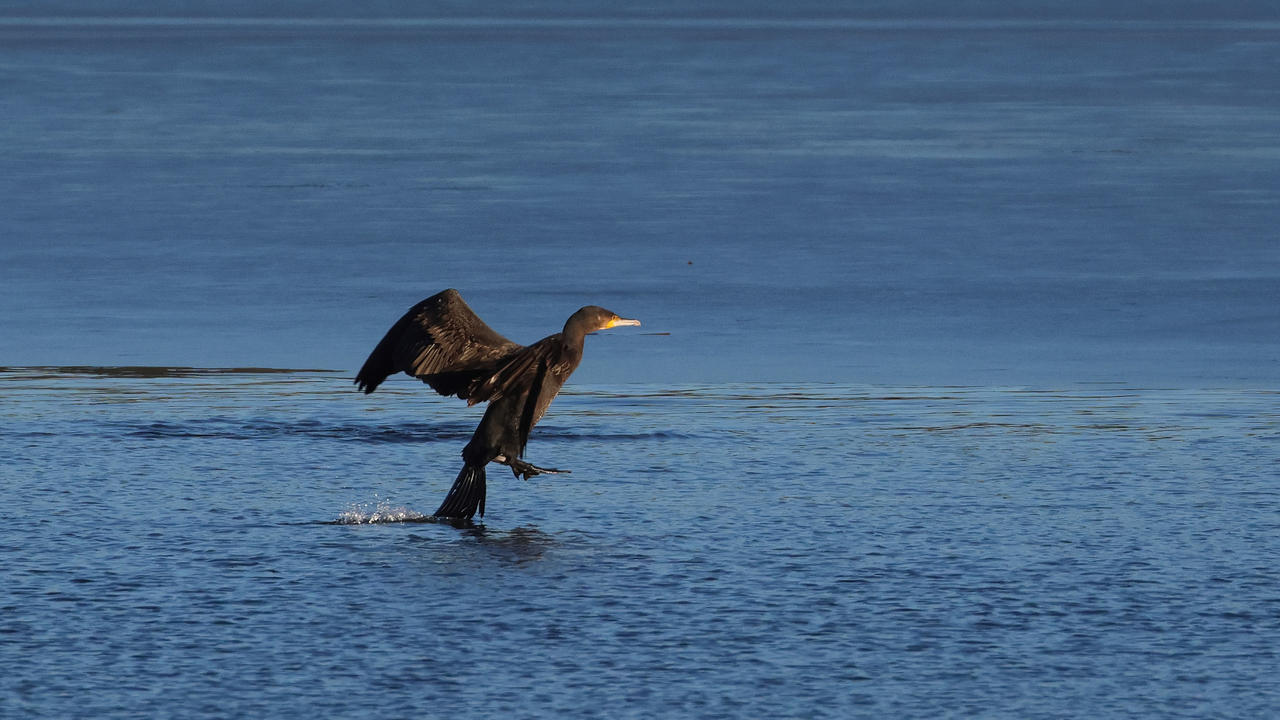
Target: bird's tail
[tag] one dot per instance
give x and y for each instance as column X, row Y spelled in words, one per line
column 466, row 496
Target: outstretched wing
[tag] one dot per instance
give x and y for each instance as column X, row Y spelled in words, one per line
column 441, row 341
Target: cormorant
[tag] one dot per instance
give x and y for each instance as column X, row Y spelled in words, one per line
column 445, row 344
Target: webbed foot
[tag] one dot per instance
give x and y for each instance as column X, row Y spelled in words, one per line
column 526, row 470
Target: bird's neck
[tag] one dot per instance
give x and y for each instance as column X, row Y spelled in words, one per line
column 574, row 335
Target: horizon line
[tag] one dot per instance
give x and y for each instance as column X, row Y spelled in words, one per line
column 607, row 21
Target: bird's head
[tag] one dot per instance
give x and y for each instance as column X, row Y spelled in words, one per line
column 593, row 317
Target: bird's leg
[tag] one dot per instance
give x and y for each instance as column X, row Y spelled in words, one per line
column 520, row 468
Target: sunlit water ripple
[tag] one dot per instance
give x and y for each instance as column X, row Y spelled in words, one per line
column 251, row 544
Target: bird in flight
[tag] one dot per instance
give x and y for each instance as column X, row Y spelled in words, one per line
column 442, row 342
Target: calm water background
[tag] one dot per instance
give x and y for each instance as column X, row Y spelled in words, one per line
column 963, row 401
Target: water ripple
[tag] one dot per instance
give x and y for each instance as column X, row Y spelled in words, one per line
column 263, row 429
column 804, row 539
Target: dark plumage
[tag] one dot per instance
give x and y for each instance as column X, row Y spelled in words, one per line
column 445, row 344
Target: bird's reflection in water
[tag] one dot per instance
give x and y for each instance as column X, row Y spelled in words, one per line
column 518, row 545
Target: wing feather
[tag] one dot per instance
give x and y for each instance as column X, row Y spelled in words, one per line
column 531, row 413
column 514, row 375
column 532, row 378
column 441, row 341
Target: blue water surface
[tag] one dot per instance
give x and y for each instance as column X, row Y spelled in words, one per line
column 245, row 545
column 928, row 200
column 955, row 394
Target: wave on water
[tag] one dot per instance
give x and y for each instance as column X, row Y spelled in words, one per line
column 148, row 371
column 262, row 428
column 258, row 429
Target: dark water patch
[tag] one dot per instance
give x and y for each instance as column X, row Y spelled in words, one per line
column 145, row 371
column 555, row 433
column 265, row 429
column 408, row 432
column 1003, row 426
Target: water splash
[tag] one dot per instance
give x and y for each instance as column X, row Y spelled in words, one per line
column 379, row 511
